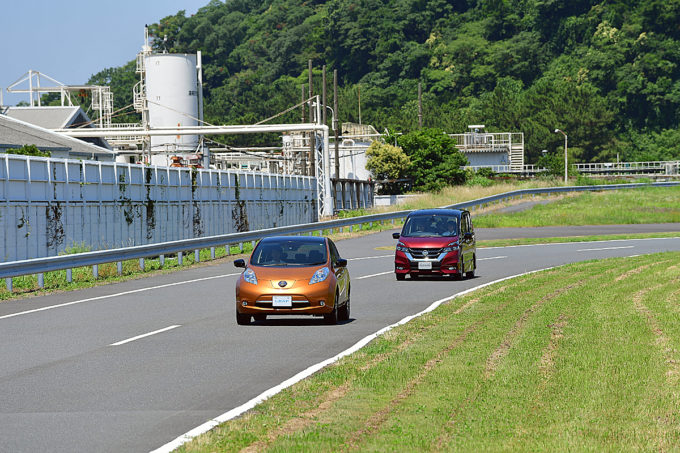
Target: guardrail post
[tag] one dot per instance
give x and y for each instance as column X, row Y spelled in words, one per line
column 253, row 244
column 227, row 249
column 240, row 246
column 69, row 275
column 41, row 280
column 197, row 256
column 142, row 264
column 161, row 260
column 8, row 284
column 95, row 271
column 212, row 253
column 180, row 255
column 351, row 228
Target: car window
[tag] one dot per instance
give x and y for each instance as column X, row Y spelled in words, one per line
column 431, row 225
column 289, row 253
column 334, row 251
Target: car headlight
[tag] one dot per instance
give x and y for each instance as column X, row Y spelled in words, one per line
column 249, row 276
column 452, row 247
column 402, row 247
column 320, row 275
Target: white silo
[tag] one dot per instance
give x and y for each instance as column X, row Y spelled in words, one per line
column 172, row 95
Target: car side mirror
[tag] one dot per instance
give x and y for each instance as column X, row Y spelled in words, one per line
column 341, row 262
column 395, row 235
column 240, row 263
column 467, row 236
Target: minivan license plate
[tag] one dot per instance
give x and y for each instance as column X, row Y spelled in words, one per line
column 424, row 265
column 282, row 301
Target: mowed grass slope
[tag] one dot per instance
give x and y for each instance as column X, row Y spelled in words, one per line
column 631, row 206
column 581, row 357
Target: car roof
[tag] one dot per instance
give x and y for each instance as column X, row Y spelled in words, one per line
column 301, row 239
column 436, row 211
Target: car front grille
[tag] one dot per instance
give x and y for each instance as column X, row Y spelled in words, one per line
column 421, row 253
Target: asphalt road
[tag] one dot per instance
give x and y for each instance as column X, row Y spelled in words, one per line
column 77, row 374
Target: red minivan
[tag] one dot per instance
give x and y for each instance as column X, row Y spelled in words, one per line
column 436, row 242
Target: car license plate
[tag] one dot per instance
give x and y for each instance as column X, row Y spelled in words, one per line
column 282, row 301
column 424, row 265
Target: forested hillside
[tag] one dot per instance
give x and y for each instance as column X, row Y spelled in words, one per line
column 606, row 72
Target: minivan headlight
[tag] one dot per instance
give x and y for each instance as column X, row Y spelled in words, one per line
column 249, row 276
column 453, row 246
column 402, row 247
column 319, row 276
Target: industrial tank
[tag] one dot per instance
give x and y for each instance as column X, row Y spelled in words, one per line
column 172, row 95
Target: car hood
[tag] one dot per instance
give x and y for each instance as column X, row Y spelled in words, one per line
column 427, row 243
column 285, row 273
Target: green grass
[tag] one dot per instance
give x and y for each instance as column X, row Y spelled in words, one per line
column 553, row 240
column 582, row 357
column 631, row 206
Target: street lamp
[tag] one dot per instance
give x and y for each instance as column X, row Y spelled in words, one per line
column 565, row 154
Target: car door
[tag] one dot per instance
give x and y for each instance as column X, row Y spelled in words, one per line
column 468, row 241
column 341, row 273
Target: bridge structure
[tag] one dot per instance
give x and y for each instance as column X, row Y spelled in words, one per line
column 602, row 169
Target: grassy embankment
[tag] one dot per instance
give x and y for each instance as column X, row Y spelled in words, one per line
column 583, row 357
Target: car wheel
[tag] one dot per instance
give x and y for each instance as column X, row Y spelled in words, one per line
column 242, row 319
column 461, row 270
column 471, row 273
column 260, row 317
column 401, row 277
column 343, row 312
column 332, row 317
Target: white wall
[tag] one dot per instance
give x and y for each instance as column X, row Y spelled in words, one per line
column 48, row 205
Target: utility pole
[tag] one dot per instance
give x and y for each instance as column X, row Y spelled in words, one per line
column 323, row 94
column 420, row 105
column 335, row 123
column 312, row 157
column 359, row 96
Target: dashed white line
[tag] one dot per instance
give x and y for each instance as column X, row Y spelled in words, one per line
column 606, row 248
column 145, row 335
column 492, row 258
column 370, row 257
column 374, row 275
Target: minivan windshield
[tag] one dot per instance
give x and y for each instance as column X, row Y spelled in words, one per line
column 431, row 225
column 289, row 253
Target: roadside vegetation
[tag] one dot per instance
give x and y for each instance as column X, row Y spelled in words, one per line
column 582, row 357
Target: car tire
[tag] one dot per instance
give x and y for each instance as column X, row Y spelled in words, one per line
column 343, row 312
column 401, row 277
column 471, row 273
column 332, row 317
column 260, row 317
column 242, row 319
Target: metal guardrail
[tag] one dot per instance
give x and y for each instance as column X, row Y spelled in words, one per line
column 55, row 263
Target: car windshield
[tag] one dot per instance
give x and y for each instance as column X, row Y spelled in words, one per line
column 289, row 253
column 431, row 225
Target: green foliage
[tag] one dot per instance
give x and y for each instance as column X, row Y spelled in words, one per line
column 28, row 150
column 387, row 162
column 435, row 160
column 606, row 72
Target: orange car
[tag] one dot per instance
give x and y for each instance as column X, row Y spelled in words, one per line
column 293, row 276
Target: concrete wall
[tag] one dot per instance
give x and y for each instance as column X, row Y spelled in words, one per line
column 48, row 205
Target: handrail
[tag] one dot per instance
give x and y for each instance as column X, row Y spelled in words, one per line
column 55, row 263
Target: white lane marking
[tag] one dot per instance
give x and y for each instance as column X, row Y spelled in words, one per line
column 124, row 293
column 492, row 258
column 576, row 242
column 606, row 248
column 145, row 335
column 374, row 275
column 371, row 257
column 235, row 412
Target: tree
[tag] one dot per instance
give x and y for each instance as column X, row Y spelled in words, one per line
column 435, row 160
column 387, row 162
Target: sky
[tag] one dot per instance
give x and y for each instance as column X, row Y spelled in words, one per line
column 71, row 40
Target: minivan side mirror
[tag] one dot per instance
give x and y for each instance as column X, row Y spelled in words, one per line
column 240, row 263
column 467, row 236
column 395, row 235
column 341, row 262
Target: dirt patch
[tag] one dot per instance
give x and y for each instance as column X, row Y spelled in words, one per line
column 499, row 354
column 547, row 363
column 302, row 421
column 637, row 270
